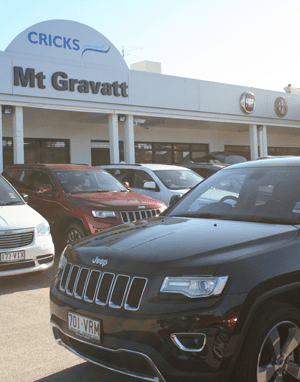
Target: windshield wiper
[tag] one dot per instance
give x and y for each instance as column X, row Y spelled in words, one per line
column 271, row 220
column 204, row 216
column 253, row 219
column 11, row 203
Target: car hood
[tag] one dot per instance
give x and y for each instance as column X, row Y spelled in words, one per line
column 178, row 246
column 117, row 199
column 19, row 217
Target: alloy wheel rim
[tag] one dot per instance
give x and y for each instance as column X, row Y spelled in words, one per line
column 278, row 359
column 72, row 236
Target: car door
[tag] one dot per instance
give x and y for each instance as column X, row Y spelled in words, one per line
column 142, row 181
column 45, row 199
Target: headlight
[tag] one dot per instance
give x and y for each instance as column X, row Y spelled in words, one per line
column 103, row 214
column 193, row 287
column 164, row 207
column 43, row 229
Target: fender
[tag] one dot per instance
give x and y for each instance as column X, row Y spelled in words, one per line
column 249, row 318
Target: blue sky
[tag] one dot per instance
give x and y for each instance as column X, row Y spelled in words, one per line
column 247, row 42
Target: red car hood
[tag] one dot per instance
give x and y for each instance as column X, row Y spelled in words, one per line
column 121, row 199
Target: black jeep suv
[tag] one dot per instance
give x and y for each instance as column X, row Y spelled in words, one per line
column 207, row 291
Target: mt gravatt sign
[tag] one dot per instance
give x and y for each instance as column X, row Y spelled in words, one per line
column 61, row 82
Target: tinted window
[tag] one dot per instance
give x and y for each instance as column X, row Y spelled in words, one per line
column 178, row 179
column 264, row 194
column 87, row 181
column 141, row 177
column 8, row 196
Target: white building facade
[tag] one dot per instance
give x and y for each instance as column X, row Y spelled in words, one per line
column 68, row 96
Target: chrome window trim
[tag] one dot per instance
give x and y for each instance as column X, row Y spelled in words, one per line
column 158, row 378
column 110, row 303
column 126, row 306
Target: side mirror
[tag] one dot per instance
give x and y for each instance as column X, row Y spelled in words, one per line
column 25, row 197
column 126, row 184
column 150, row 185
column 45, row 188
column 174, row 199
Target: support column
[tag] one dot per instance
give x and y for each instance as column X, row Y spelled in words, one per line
column 113, row 138
column 1, row 141
column 129, row 153
column 263, row 146
column 253, row 141
column 18, row 135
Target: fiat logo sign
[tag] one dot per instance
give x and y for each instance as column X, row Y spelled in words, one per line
column 248, row 102
column 281, row 106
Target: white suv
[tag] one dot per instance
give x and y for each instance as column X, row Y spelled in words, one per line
column 159, row 181
column 25, row 241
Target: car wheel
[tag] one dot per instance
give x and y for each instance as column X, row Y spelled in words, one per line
column 271, row 352
column 73, row 233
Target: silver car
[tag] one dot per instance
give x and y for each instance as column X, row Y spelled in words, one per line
column 159, row 181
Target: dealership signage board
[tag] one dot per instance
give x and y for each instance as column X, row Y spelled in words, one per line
column 67, row 40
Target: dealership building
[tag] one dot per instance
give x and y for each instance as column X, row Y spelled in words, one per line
column 68, row 96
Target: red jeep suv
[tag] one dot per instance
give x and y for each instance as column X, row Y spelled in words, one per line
column 79, row 200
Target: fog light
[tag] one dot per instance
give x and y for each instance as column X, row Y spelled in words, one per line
column 191, row 342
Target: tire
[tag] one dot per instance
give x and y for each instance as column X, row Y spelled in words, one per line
column 271, row 349
column 74, row 232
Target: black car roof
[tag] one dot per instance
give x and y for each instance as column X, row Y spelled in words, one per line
column 276, row 162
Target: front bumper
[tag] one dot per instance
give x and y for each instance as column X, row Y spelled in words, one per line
column 138, row 345
column 39, row 256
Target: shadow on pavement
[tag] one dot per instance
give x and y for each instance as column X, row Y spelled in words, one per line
column 86, row 372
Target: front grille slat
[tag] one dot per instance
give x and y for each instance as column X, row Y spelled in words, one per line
column 119, row 290
column 15, row 240
column 81, row 282
column 103, row 288
column 91, row 287
column 132, row 216
column 72, row 280
column 135, row 293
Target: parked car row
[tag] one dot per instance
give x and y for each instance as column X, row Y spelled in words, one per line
column 208, row 289
column 79, row 200
column 76, row 201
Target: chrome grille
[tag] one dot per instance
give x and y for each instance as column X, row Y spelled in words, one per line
column 103, row 288
column 131, row 216
column 15, row 239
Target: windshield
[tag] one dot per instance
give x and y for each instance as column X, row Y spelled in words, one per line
column 263, row 194
column 178, row 179
column 8, row 196
column 88, row 181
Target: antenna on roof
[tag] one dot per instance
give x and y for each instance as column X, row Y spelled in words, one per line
column 126, row 51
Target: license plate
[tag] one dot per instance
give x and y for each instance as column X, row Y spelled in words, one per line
column 84, row 326
column 12, row 256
